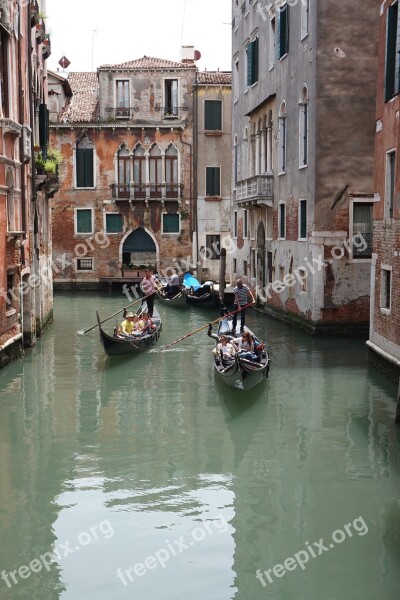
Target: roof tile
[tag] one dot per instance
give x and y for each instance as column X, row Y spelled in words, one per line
column 84, row 104
column 148, row 62
column 214, row 77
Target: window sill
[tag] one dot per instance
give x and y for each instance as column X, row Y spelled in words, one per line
column 284, row 56
column 253, row 85
column 303, row 167
column 271, row 67
column 281, row 173
column 85, row 233
column 213, row 198
column 84, row 270
column 84, row 188
column 304, row 36
column 246, row 91
column 301, row 239
column 213, row 133
column 177, row 233
column 11, row 312
column 171, row 117
column 385, row 311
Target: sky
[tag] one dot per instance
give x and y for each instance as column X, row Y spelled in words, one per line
column 130, row 29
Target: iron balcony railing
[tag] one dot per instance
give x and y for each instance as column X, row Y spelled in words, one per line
column 255, row 188
column 122, row 112
column 137, row 191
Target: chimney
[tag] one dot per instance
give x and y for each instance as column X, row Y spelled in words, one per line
column 187, row 54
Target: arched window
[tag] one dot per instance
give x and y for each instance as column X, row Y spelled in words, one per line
column 139, row 172
column 171, row 172
column 155, row 164
column 124, row 172
column 303, row 127
column 84, row 163
column 282, row 138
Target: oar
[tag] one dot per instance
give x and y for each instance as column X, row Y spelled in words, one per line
column 205, row 326
column 114, row 315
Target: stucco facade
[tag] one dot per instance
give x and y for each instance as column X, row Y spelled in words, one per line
column 384, row 338
column 303, row 157
column 126, row 198
column 26, row 299
column 213, row 126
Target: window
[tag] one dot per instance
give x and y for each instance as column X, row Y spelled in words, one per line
column 213, row 181
column 213, row 115
column 386, row 288
column 303, row 128
column 171, row 172
column 139, row 172
column 362, row 230
column 4, row 72
column 282, row 219
column 305, row 9
column 124, row 173
column 235, row 225
column 282, row 46
column 392, row 69
column 10, row 290
column 84, row 163
column 252, row 62
column 155, row 169
column 282, row 138
column 390, row 183
column 170, row 223
column 113, row 223
column 84, row 264
column 213, row 246
column 269, row 266
column 272, row 50
column 245, row 223
column 303, row 219
column 83, row 220
column 123, row 100
column 171, row 98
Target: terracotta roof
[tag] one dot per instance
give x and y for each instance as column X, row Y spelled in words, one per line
column 214, row 78
column 147, row 62
column 84, row 104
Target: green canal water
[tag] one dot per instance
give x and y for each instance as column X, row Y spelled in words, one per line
column 145, row 478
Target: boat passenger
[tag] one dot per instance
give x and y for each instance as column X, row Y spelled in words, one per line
column 173, row 288
column 128, row 325
column 246, row 346
column 225, row 348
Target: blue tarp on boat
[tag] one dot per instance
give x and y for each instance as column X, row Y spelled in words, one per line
column 190, row 281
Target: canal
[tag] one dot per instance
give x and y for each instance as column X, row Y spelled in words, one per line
column 144, row 478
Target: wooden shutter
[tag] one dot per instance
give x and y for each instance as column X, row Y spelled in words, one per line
column 84, row 221
column 391, row 34
column 89, row 181
column 80, row 167
column 255, row 60
column 303, row 219
column 209, row 181
column 217, row 115
column 249, row 52
column 283, row 31
column 208, row 115
column 217, row 183
column 43, row 125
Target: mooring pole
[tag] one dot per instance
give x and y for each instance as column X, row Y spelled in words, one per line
column 398, row 404
column 222, row 272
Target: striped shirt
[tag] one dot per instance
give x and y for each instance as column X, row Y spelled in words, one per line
column 241, row 294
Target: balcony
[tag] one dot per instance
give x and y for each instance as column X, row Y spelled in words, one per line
column 147, row 191
column 122, row 113
column 258, row 191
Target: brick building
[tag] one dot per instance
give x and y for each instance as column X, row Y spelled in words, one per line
column 212, row 169
column 126, row 199
column 303, row 155
column 384, row 338
column 26, row 300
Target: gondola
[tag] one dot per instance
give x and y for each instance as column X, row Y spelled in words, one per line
column 202, row 294
column 115, row 346
column 239, row 373
column 178, row 301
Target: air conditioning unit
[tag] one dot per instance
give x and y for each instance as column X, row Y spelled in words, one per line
column 27, row 142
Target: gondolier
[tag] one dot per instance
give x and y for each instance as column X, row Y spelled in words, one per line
column 243, row 296
column 149, row 287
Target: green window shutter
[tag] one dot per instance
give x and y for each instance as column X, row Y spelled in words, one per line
column 282, row 221
column 249, row 52
column 278, row 37
column 303, row 219
column 217, row 115
column 89, row 180
column 171, row 223
column 208, row 115
column 283, row 32
column 84, row 221
column 255, row 60
column 209, row 181
column 217, row 183
column 391, row 34
column 43, row 125
column 113, row 223
column 80, row 167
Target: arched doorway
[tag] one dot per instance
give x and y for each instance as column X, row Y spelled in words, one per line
column 139, row 248
column 261, row 271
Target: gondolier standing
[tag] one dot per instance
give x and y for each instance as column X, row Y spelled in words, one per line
column 148, row 287
column 243, row 296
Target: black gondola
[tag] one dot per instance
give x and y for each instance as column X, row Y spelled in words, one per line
column 204, row 295
column 179, row 300
column 116, row 346
column 239, row 373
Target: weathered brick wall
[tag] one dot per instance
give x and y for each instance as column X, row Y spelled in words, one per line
column 387, row 247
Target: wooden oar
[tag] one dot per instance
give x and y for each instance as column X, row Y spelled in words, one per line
column 205, row 326
column 114, row 315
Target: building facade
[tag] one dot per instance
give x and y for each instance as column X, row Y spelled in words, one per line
column 384, row 338
column 212, row 171
column 26, row 300
column 303, row 89
column 126, row 199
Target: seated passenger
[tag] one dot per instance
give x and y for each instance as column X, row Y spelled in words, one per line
column 246, row 347
column 225, row 348
column 128, row 324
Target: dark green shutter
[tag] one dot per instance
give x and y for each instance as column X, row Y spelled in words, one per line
column 89, row 181
column 113, row 223
column 249, row 52
column 278, row 37
column 217, row 115
column 84, row 221
column 171, row 223
column 391, row 33
column 209, row 181
column 282, row 221
column 217, row 190
column 283, row 32
column 255, row 60
column 303, row 219
column 43, row 125
column 80, row 167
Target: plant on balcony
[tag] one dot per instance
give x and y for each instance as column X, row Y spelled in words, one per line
column 49, row 164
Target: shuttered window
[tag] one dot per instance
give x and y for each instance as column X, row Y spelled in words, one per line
column 282, row 46
column 282, row 220
column 392, row 71
column 84, row 164
column 83, row 220
column 170, row 223
column 213, row 115
column 303, row 219
column 213, row 181
column 252, row 62
column 113, row 223
column 362, row 230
